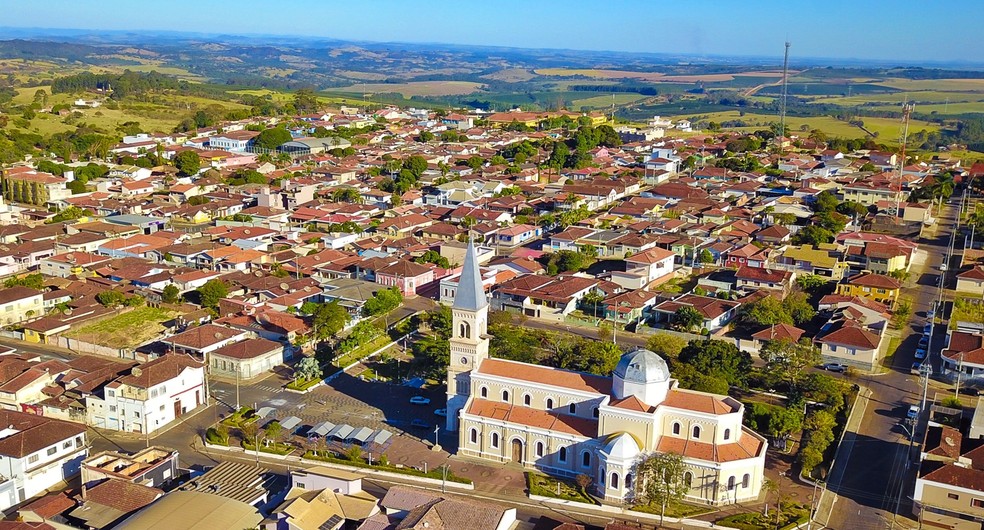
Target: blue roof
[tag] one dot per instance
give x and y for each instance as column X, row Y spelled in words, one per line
column 470, row 294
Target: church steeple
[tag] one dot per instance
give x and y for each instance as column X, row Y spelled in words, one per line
column 470, row 295
column 469, row 341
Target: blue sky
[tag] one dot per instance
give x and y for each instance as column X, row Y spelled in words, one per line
column 902, row 30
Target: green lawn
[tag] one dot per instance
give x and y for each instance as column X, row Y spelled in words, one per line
column 360, row 352
column 792, row 515
column 127, row 330
column 545, row 486
column 302, row 384
column 281, row 449
column 673, row 509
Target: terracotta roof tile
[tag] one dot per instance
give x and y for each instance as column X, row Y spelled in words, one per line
column 547, row 376
column 534, row 418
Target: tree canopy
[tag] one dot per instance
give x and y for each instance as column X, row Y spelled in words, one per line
column 272, row 138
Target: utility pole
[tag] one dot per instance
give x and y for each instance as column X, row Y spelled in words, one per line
column 906, row 113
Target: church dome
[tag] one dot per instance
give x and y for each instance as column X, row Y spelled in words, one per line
column 622, row 446
column 642, row 366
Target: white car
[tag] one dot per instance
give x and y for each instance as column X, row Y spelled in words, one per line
column 835, row 367
column 420, row 400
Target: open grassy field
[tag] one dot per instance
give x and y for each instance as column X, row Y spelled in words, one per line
column 606, row 101
column 888, row 129
column 511, row 75
column 416, row 88
column 126, row 330
column 945, row 85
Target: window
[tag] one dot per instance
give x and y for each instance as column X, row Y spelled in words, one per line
column 572, row 408
column 505, row 395
column 32, row 459
column 688, row 479
column 527, row 400
column 746, row 479
column 162, row 408
column 594, row 412
column 977, row 503
column 628, row 481
column 549, row 403
column 696, row 432
column 727, row 434
column 112, row 408
column 495, row 439
column 67, row 444
column 299, row 485
column 953, row 496
column 613, row 482
column 676, row 427
column 731, row 482
column 465, row 330
column 485, row 392
column 78, row 441
column 473, row 436
column 111, row 393
column 539, row 448
column 562, row 454
column 136, row 414
column 52, row 450
column 586, row 459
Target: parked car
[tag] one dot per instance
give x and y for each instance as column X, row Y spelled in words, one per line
column 441, row 412
column 420, row 400
column 420, row 424
column 923, row 342
column 930, row 314
column 835, row 367
column 927, row 328
column 913, row 412
column 914, row 370
column 920, row 353
column 972, row 390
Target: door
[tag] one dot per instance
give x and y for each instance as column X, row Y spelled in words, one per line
column 177, row 409
column 517, row 451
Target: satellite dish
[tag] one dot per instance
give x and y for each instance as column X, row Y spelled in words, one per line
column 307, row 288
column 284, row 286
column 68, row 312
column 258, row 274
column 217, row 335
column 246, row 231
column 137, row 372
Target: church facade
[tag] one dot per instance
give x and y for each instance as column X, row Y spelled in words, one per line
column 569, row 423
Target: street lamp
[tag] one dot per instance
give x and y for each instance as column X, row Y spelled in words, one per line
column 437, row 432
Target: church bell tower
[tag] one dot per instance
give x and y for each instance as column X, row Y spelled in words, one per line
column 469, row 335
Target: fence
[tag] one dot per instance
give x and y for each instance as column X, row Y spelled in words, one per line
column 88, row 347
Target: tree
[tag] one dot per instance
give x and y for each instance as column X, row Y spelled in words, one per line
column 308, row 369
column 812, row 235
column 901, row 312
column 425, row 136
column 687, row 318
column 111, row 298
column 171, row 294
column 188, row 162
column 210, row 293
column 666, row 345
column 788, row 361
column 825, row 202
column 810, row 282
column 660, row 480
column 34, row 281
column 705, row 256
column 852, row 209
column 272, row 138
column 798, row 307
column 765, row 312
column 583, row 481
column 329, row 319
column 383, row 301
column 273, row 432
column 591, row 356
column 717, row 357
column 346, row 195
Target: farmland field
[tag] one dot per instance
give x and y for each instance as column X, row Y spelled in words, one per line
column 416, row 88
column 606, row 101
column 648, row 76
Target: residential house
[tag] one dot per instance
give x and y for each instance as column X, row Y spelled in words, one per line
column 204, row 339
column 963, row 355
column 629, row 307
column 517, row 235
column 408, row 276
column 850, row 337
column 747, row 255
column 949, row 490
column 716, row 313
column 246, row 359
column 20, row 303
column 151, row 396
column 153, row 466
column 971, row 281
column 823, row 260
column 539, row 296
column 37, row 454
column 759, row 278
column 877, row 287
column 646, row 269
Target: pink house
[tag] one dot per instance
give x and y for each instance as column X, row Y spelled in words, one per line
column 409, row 276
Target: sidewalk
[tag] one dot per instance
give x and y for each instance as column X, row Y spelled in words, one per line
column 841, row 457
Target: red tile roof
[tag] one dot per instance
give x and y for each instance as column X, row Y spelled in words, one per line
column 540, row 419
column 547, row 376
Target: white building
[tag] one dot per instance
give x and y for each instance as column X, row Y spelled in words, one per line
column 569, row 423
column 151, row 396
column 37, row 453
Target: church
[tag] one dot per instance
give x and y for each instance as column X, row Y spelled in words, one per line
column 567, row 423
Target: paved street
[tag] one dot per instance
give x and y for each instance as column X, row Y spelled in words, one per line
column 873, row 468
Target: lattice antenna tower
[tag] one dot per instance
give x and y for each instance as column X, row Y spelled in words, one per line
column 904, row 137
column 782, row 98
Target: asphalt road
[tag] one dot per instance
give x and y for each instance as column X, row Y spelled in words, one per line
column 879, row 476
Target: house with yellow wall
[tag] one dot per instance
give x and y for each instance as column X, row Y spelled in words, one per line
column 877, row 287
